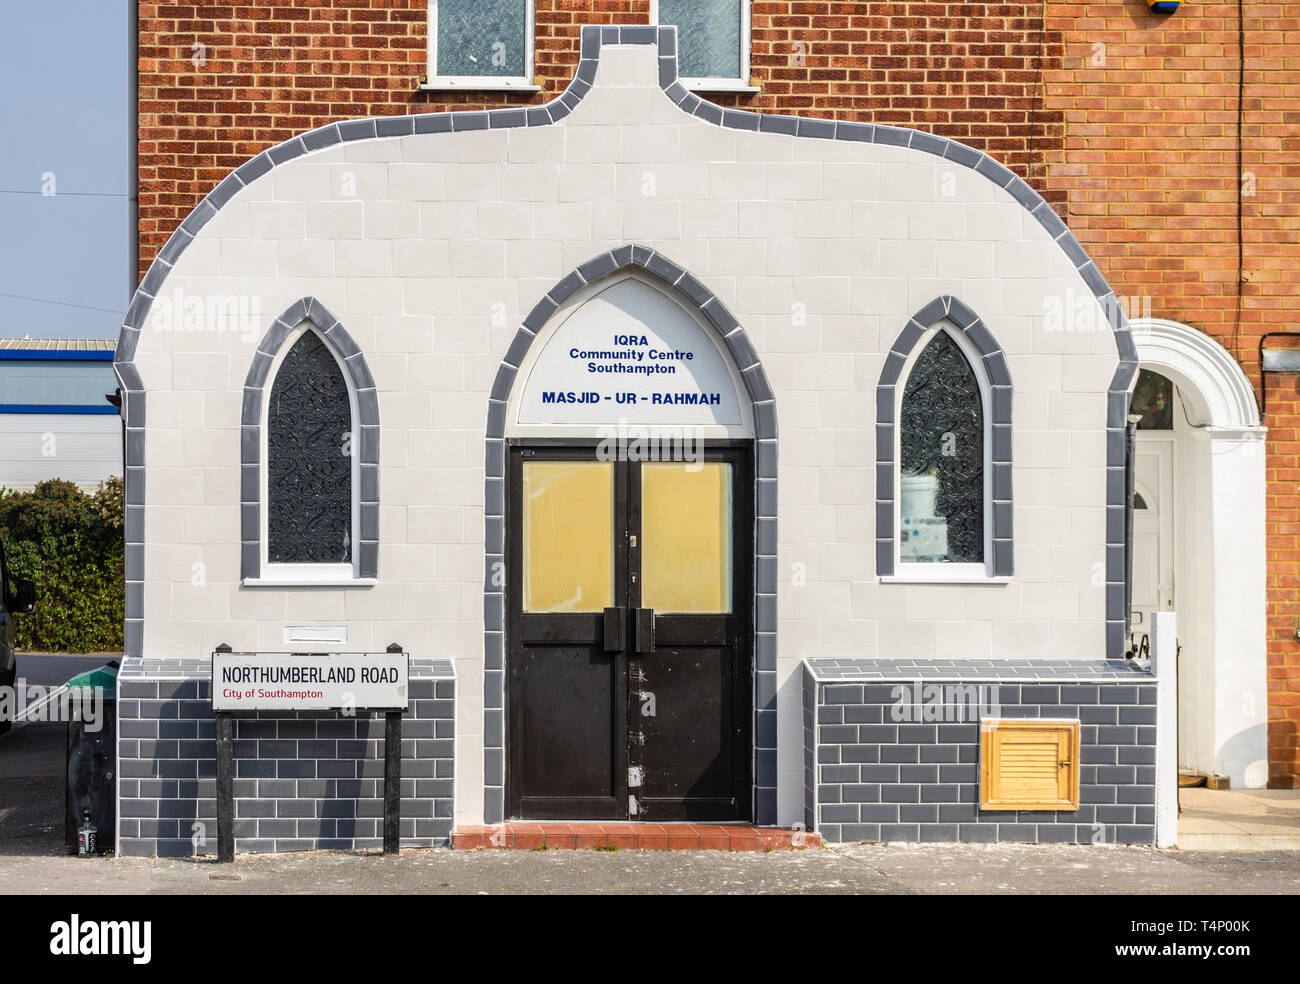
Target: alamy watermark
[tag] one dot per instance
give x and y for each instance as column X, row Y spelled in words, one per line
column 659, row 442
column 1079, row 311
column 917, row 702
column 23, row 704
column 180, row 311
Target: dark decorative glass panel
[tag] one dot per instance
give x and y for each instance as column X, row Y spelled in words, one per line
column 941, row 443
column 309, row 459
column 1153, row 401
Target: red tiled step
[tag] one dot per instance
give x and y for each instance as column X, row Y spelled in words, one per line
column 523, row 835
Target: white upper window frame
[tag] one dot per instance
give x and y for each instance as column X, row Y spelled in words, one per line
column 308, row 574
column 508, row 83
column 740, row 84
column 932, row 572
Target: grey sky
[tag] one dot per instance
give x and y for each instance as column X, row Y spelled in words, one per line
column 66, row 106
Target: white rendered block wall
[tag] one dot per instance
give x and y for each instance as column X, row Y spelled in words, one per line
column 431, row 249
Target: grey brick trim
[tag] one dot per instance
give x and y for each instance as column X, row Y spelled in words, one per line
column 365, row 444
column 735, row 342
column 997, row 455
column 133, row 412
column 1092, row 672
column 877, row 768
column 308, row 780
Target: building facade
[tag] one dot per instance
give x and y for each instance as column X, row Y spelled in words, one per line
column 56, row 420
column 826, row 286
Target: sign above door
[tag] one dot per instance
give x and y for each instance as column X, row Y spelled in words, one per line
column 628, row 355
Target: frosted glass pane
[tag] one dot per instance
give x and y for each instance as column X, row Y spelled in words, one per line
column 481, row 37
column 686, row 537
column 568, row 536
column 708, row 37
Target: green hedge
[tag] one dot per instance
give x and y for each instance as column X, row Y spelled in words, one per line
column 70, row 543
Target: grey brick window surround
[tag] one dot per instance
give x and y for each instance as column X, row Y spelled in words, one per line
column 745, row 358
column 874, row 772
column 306, row 780
column 664, row 41
column 365, row 438
column 998, row 454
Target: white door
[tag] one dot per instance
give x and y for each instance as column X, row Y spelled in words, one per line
column 1153, row 529
column 1153, row 557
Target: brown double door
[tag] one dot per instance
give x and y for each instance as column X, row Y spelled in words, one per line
column 628, row 636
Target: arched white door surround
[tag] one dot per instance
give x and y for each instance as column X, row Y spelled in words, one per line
column 1219, row 483
column 1217, row 392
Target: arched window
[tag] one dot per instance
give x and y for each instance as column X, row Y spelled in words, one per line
column 309, row 456
column 942, row 444
column 943, row 451
column 311, row 515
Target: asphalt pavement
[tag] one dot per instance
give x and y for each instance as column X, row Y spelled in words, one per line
column 862, row 869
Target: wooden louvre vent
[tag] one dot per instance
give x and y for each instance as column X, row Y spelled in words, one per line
column 1029, row 765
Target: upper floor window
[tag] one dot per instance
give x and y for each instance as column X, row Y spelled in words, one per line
column 943, row 475
column 311, row 481
column 712, row 41
column 480, row 44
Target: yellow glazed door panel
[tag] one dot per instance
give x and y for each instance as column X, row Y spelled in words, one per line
column 686, row 532
column 568, row 534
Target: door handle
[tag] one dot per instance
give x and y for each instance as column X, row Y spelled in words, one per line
column 615, row 630
column 645, row 630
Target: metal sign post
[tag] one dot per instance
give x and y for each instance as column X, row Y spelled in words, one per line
column 225, row 786
column 392, row 781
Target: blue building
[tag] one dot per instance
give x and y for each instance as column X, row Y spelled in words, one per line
column 56, row 420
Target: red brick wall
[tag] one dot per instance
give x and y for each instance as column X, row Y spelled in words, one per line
column 277, row 67
column 1149, row 168
column 1138, row 153
column 1283, row 448
column 273, row 68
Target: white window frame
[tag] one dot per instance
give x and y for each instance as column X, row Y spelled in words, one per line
column 740, row 84
column 510, row 83
column 932, row 572
column 298, row 574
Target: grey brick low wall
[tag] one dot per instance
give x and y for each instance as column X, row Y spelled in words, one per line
column 303, row 781
column 869, row 776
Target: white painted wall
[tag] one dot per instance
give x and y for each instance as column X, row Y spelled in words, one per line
column 822, row 249
column 1164, row 661
column 81, row 448
column 1232, row 464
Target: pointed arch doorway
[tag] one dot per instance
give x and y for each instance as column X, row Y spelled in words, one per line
column 629, row 556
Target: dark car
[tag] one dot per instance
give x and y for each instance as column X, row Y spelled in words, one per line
column 16, row 598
